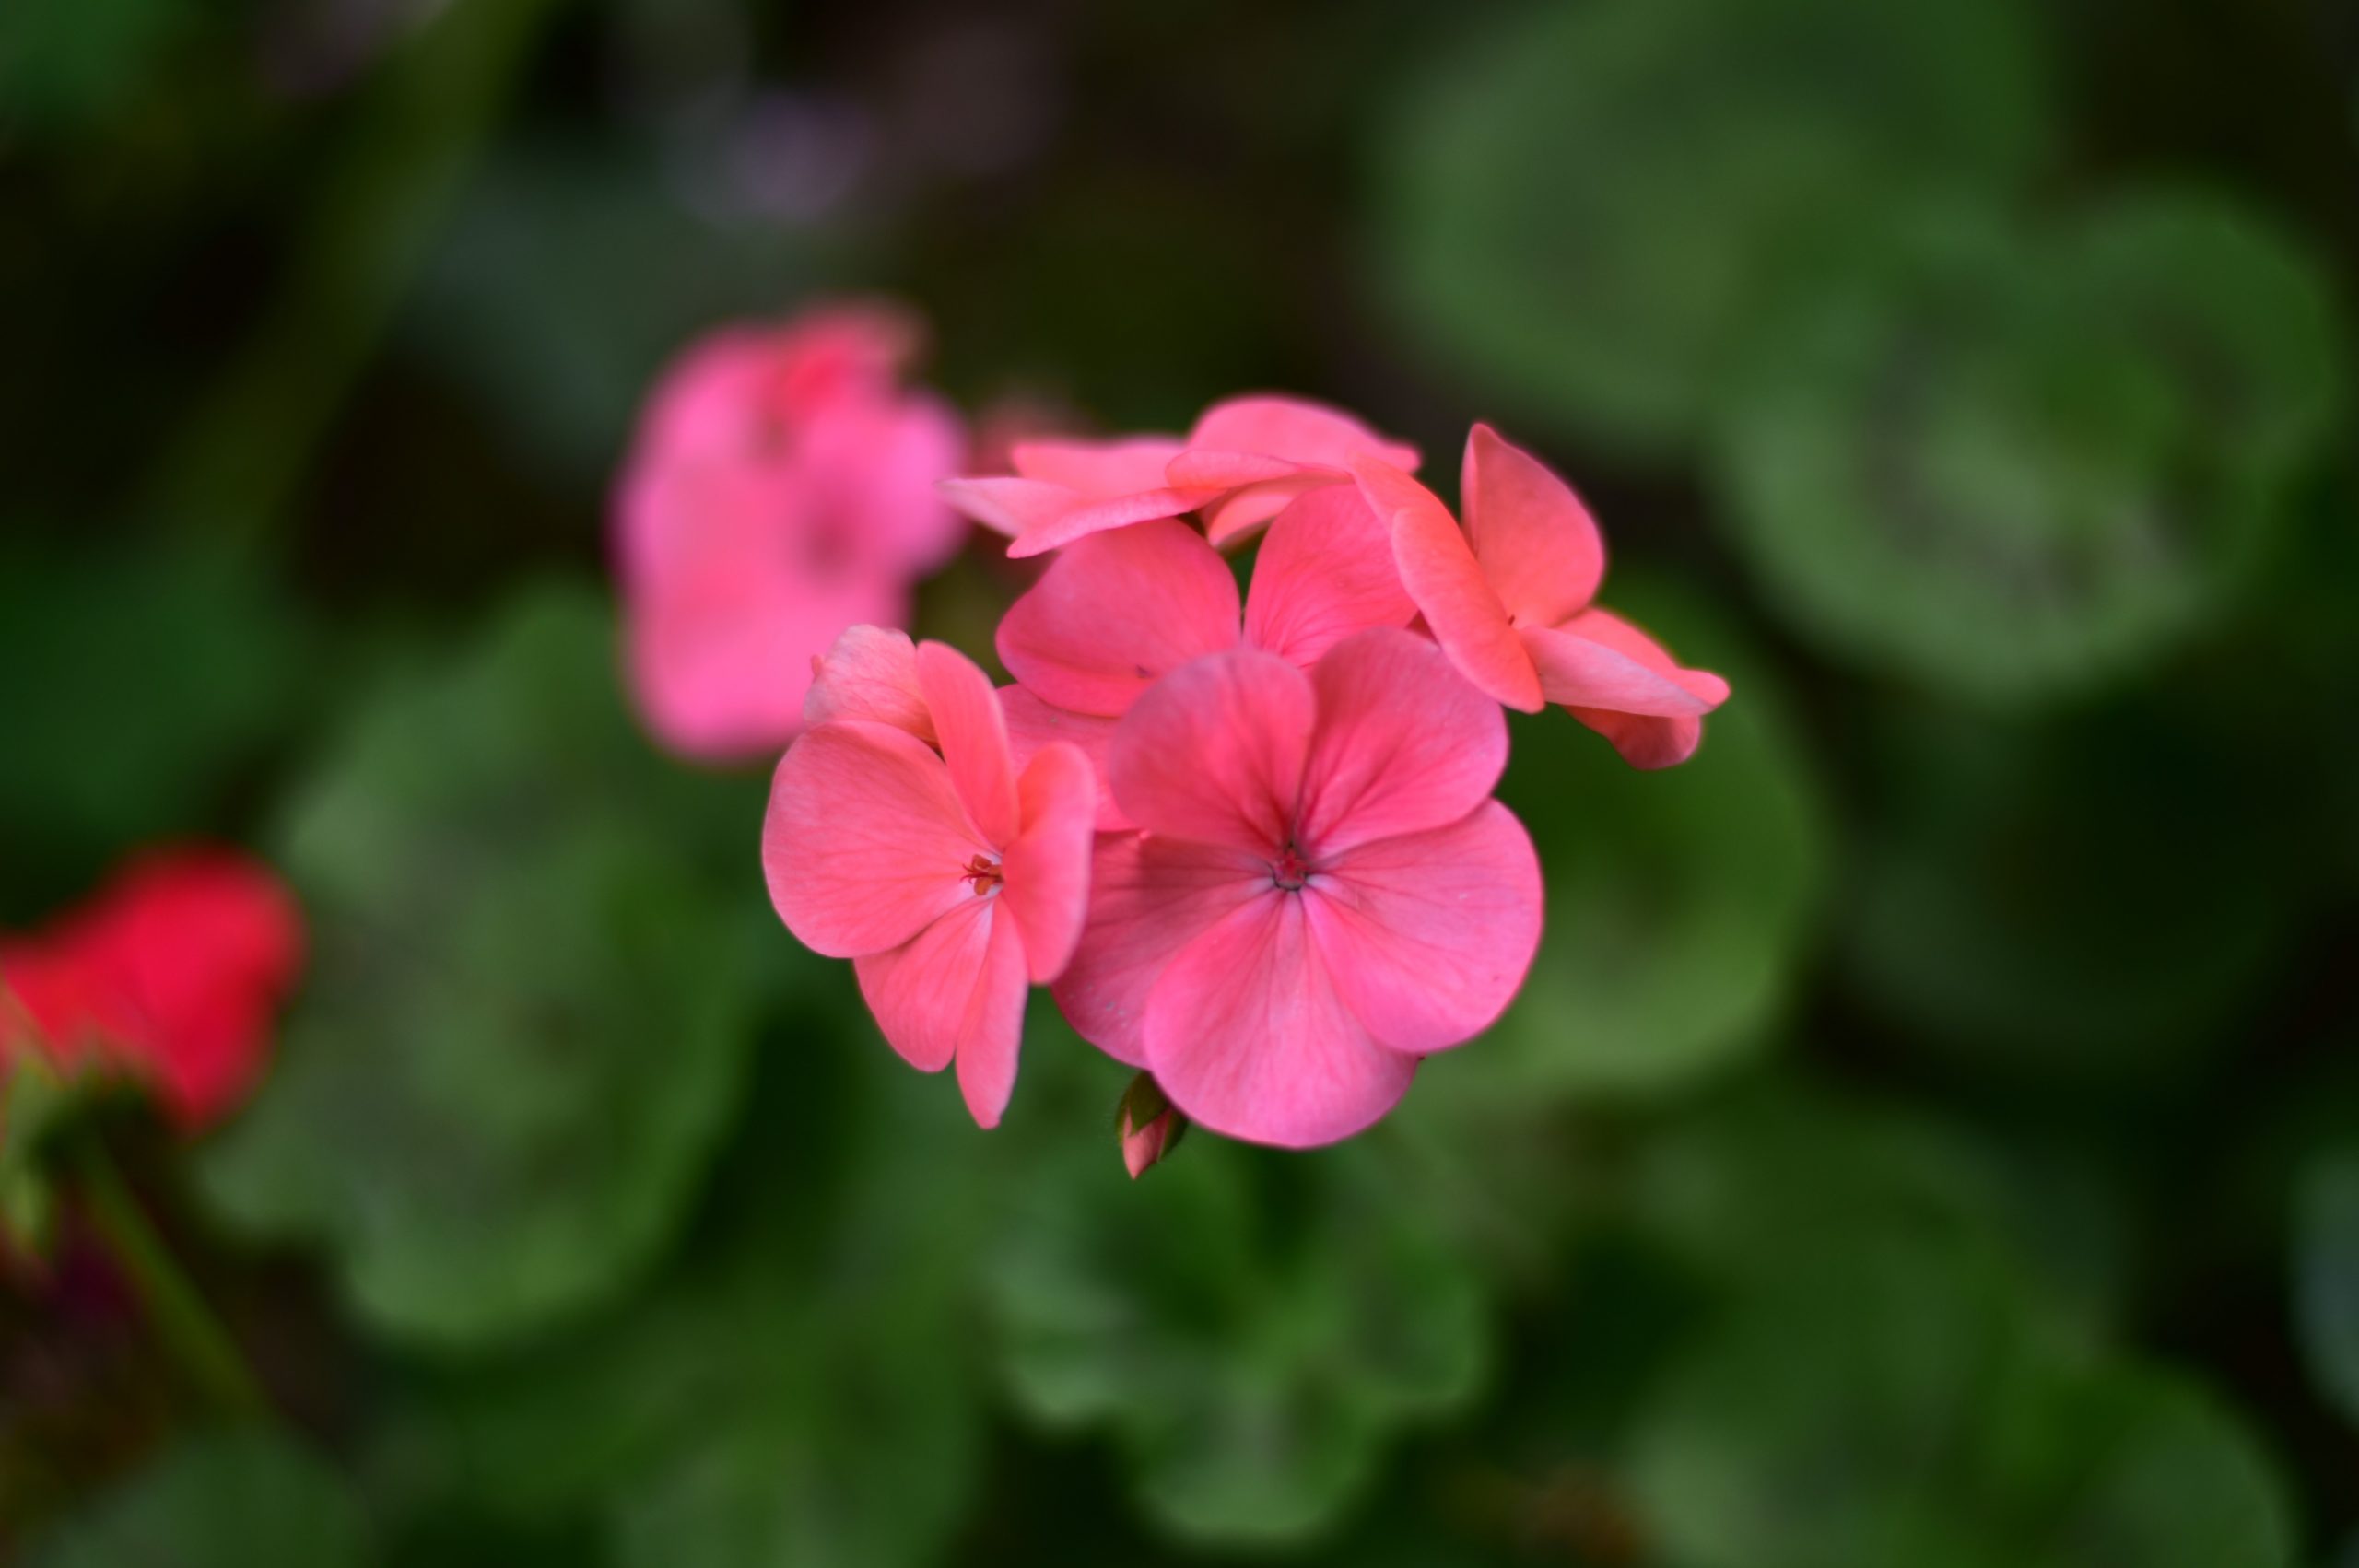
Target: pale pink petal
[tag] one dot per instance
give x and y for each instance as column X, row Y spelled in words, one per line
column 1046, row 869
column 1032, row 724
column 1216, row 468
column 1246, row 1033
column 866, row 843
column 1624, row 684
column 1097, row 468
column 1148, row 898
column 1237, row 514
column 1116, row 611
column 955, row 990
column 1097, row 517
column 1324, row 572
column 994, row 1029
column 1537, row 543
column 871, row 673
column 1428, row 936
column 1298, row 429
column 1214, row 752
column 1447, row 586
column 1013, row 507
column 1404, row 745
column 974, row 738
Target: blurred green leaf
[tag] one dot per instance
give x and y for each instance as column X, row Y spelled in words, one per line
column 2015, row 469
column 2085, row 898
column 64, row 67
column 2326, row 1276
column 1592, row 206
column 244, row 1499
column 142, row 681
column 1679, row 902
column 1899, row 1404
column 1253, row 1326
column 524, row 1022
column 565, row 282
column 805, row 1394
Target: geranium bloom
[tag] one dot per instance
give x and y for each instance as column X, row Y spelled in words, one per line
column 783, row 487
column 951, row 881
column 1323, row 891
column 1514, row 609
column 1116, row 611
column 169, row 976
column 1240, row 466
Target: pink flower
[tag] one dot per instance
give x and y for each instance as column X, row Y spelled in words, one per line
column 1244, row 461
column 1323, row 891
column 1116, row 611
column 1514, row 610
column 781, row 489
column 171, row 975
column 949, row 880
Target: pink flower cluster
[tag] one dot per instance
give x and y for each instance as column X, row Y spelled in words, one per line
column 1248, row 838
column 781, row 488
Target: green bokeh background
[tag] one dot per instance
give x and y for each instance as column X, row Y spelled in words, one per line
column 1928, row 1138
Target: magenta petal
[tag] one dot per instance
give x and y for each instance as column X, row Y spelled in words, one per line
column 1214, row 752
column 1148, row 898
column 1442, row 576
column 1538, row 545
column 1032, row 724
column 1402, row 743
column 1097, row 468
column 864, row 841
column 1046, row 869
column 1429, row 936
column 1297, row 429
column 1115, row 613
column 1247, row 1034
column 974, row 738
column 871, row 673
column 1324, row 572
column 994, row 1029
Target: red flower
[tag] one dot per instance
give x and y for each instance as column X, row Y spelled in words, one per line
column 170, row 974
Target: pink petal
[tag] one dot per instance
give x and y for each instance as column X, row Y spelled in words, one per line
column 1324, row 572
column 1046, row 869
column 871, row 673
column 1297, row 429
column 1148, row 898
column 1217, row 468
column 1032, row 724
column 1247, row 1034
column 1097, row 517
column 1429, row 936
column 1214, row 752
column 868, row 471
column 1402, row 743
column 865, row 842
column 1235, row 515
column 1538, row 545
column 955, row 990
column 1624, row 684
column 1441, row 576
column 1098, row 468
column 1116, row 611
column 974, row 738
column 1043, row 517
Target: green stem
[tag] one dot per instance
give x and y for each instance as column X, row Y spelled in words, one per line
column 174, row 1310
column 241, row 455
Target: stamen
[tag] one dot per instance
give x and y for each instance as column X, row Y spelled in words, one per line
column 982, row 874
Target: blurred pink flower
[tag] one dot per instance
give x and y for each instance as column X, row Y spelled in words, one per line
column 950, row 879
column 1323, row 891
column 1514, row 610
column 1115, row 612
column 1244, row 461
column 170, row 976
column 783, row 487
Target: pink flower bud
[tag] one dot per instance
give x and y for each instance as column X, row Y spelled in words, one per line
column 1149, row 1126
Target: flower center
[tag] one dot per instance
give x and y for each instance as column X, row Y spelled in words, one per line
column 1290, row 871
column 982, row 874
